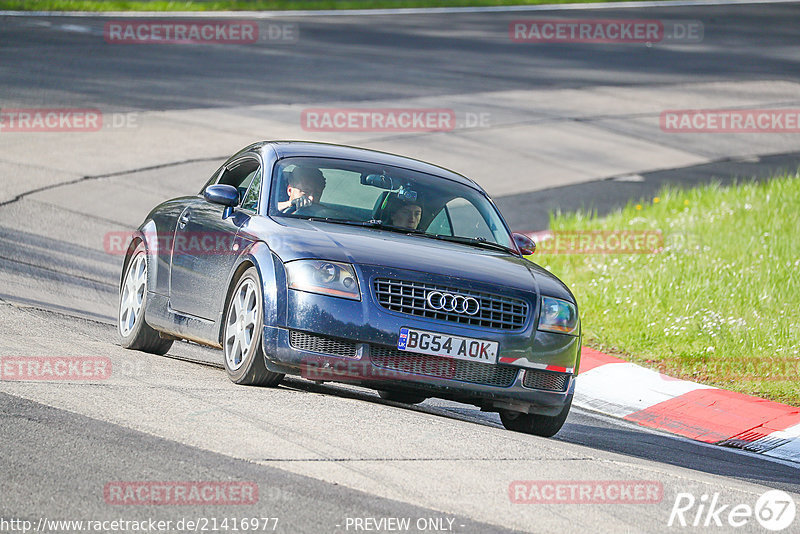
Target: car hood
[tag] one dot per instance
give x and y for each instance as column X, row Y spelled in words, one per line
column 303, row 239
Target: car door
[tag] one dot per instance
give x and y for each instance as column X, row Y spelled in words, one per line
column 203, row 246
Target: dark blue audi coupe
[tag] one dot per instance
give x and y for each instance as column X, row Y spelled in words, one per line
column 350, row 265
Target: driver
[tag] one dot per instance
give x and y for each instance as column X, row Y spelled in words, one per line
column 304, row 186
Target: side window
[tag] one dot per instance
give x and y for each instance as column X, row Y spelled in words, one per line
column 467, row 221
column 440, row 225
column 250, row 201
column 241, row 176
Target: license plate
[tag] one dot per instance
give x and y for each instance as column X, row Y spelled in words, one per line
column 447, row 346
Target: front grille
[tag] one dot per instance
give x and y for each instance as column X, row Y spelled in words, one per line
column 422, row 364
column 322, row 344
column 499, row 312
column 545, row 380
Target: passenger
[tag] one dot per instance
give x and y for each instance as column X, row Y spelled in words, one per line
column 304, row 187
column 404, row 214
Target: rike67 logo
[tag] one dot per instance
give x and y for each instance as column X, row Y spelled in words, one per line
column 774, row 510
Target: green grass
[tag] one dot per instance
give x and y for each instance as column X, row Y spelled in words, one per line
column 719, row 305
column 254, row 5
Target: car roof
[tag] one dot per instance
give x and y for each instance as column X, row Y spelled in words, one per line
column 286, row 149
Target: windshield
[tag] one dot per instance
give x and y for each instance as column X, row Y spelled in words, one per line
column 381, row 196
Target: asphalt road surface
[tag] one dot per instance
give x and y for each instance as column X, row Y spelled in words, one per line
column 568, row 125
column 60, row 61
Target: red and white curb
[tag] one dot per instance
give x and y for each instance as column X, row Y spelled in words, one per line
column 704, row 413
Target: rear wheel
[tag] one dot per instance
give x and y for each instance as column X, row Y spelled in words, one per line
column 134, row 332
column 401, row 396
column 538, row 425
column 243, row 333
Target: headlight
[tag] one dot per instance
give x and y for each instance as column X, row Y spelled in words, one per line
column 324, row 277
column 558, row 316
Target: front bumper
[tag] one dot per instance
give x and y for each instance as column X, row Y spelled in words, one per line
column 332, row 339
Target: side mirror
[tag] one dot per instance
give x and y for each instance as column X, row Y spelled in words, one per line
column 227, row 195
column 524, row 243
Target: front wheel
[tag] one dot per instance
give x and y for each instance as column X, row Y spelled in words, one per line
column 134, row 332
column 538, row 425
column 244, row 325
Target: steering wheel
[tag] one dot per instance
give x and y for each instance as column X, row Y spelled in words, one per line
column 299, row 203
column 312, row 210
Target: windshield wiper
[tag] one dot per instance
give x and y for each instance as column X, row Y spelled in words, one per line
column 390, row 228
column 330, row 220
column 475, row 241
column 366, row 224
column 334, row 220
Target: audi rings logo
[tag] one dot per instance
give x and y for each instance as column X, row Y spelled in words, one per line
column 452, row 303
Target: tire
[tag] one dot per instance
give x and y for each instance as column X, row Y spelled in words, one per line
column 538, row 425
column 243, row 333
column 134, row 333
column 400, row 396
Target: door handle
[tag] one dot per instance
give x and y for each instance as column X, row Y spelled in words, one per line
column 183, row 220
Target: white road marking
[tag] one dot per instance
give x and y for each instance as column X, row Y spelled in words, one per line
column 74, row 28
